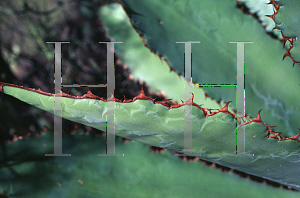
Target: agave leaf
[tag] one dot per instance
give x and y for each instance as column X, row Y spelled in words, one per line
column 108, row 15
column 158, row 125
column 216, row 24
column 286, row 17
column 132, row 124
column 27, row 173
column 263, row 8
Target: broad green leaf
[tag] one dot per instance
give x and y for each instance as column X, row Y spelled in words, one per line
column 27, row 173
column 268, row 79
column 155, row 124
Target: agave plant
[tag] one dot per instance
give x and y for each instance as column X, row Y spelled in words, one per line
column 149, row 31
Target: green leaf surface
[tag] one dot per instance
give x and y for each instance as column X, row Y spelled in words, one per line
column 268, row 79
column 214, row 136
column 262, row 8
column 287, row 20
column 143, row 22
column 27, row 173
column 155, row 124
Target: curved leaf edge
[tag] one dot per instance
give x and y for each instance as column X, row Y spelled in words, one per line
column 159, row 150
column 275, row 134
column 167, row 103
column 285, row 38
